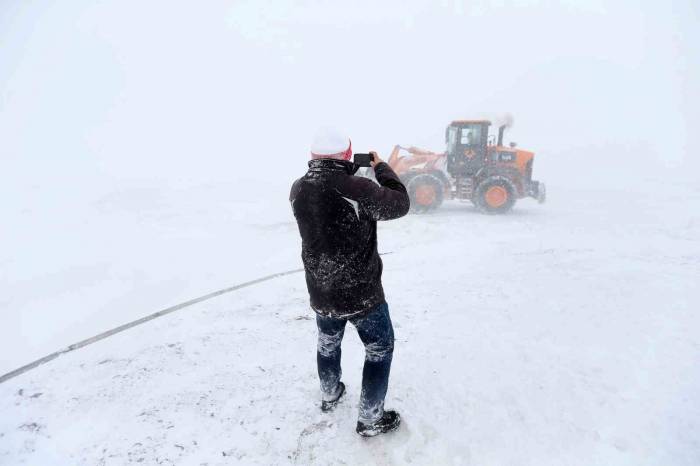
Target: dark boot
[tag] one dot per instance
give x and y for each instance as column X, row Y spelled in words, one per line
column 327, row 406
column 388, row 422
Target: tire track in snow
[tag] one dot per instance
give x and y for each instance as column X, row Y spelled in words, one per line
column 142, row 320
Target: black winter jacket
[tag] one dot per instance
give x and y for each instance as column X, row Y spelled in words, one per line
column 337, row 216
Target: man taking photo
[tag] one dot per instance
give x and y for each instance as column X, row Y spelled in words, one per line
column 337, row 215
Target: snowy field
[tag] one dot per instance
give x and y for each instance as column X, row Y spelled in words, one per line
column 76, row 264
column 563, row 334
column 147, row 151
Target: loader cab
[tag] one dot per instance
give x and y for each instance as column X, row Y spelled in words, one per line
column 466, row 146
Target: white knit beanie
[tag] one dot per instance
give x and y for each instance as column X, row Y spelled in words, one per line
column 330, row 143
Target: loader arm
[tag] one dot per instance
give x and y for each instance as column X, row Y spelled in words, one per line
column 416, row 153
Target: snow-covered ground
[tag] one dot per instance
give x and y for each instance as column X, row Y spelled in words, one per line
column 76, row 263
column 563, row 334
column 147, row 149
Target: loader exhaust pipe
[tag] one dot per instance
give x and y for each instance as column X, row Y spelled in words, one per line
column 501, row 129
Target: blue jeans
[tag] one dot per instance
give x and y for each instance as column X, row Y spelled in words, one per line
column 377, row 334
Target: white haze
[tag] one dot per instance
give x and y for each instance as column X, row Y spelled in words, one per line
column 95, row 91
column 123, row 103
column 146, row 152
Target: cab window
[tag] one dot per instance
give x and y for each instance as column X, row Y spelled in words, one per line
column 451, row 138
column 470, row 136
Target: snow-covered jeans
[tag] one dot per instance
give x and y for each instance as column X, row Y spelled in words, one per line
column 377, row 334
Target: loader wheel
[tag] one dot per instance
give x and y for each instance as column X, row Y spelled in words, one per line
column 495, row 195
column 426, row 192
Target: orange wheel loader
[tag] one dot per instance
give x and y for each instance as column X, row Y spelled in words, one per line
column 474, row 166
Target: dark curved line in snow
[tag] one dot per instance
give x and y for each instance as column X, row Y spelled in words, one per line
column 140, row 321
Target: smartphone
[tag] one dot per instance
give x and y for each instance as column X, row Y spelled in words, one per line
column 363, row 160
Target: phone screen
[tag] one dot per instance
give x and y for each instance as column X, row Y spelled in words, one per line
column 363, row 160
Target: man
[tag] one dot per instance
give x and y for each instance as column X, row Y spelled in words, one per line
column 337, row 216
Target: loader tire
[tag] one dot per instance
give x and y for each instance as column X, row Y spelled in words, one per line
column 495, row 195
column 426, row 192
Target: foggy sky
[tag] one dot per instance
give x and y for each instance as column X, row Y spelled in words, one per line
column 162, row 90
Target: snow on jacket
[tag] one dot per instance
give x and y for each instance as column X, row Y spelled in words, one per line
column 337, row 216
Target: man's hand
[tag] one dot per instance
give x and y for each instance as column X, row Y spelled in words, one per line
column 375, row 160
